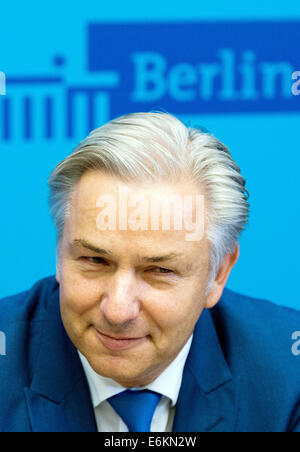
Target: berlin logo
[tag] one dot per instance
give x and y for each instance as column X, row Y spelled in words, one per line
column 183, row 68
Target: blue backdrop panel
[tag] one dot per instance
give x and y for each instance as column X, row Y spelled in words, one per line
column 219, row 66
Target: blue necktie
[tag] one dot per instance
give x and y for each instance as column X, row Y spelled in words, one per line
column 136, row 408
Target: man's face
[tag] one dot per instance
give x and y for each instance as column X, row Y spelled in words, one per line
column 129, row 315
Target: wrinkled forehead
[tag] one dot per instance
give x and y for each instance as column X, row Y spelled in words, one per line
column 103, row 206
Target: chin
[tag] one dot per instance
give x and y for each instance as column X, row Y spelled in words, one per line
column 120, row 369
column 114, row 370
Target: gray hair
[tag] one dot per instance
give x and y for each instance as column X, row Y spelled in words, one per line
column 157, row 146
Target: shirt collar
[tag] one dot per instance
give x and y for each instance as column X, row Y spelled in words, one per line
column 167, row 383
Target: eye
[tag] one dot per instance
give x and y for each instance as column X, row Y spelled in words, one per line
column 93, row 260
column 162, row 270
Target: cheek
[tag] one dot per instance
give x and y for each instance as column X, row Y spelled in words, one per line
column 76, row 303
column 78, row 294
column 175, row 312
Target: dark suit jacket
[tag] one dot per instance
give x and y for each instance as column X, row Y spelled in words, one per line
column 240, row 375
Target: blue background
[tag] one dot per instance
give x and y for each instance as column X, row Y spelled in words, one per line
column 52, row 40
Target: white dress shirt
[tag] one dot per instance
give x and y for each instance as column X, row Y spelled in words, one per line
column 167, row 383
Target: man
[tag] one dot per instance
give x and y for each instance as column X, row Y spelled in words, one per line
column 137, row 332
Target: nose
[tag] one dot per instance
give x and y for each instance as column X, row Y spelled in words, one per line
column 120, row 302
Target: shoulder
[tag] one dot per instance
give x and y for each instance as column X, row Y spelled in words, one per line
column 21, row 324
column 256, row 317
column 22, row 317
column 28, row 305
column 257, row 338
column 255, row 310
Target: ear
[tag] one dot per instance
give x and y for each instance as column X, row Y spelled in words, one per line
column 217, row 289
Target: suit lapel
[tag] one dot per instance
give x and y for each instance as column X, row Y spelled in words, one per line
column 74, row 414
column 58, row 399
column 207, row 400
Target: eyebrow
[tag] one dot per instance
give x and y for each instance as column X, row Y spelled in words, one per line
column 83, row 243
column 151, row 259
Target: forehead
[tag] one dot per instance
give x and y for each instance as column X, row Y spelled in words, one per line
column 93, row 183
column 100, row 194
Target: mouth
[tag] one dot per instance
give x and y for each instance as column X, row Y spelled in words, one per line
column 119, row 343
